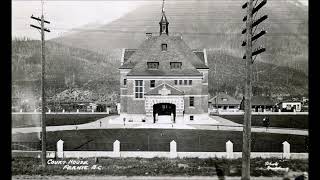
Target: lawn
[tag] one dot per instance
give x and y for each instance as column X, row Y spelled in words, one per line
column 285, row 121
column 158, row 167
column 32, row 120
column 159, row 139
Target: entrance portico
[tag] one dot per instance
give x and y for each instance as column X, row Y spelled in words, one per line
column 164, row 112
column 165, row 104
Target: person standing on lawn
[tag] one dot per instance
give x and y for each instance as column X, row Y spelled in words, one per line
column 266, row 122
column 220, row 172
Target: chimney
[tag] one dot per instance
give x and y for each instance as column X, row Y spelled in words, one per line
column 122, row 56
column 205, row 57
column 148, row 35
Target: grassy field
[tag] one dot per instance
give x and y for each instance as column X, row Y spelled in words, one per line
column 285, row 121
column 159, row 139
column 157, row 167
column 32, row 120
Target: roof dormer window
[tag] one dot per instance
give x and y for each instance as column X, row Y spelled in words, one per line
column 164, row 47
column 175, row 65
column 153, row 65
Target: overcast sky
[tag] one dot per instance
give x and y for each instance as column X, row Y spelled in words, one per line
column 65, row 15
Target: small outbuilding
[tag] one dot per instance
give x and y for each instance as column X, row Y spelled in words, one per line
column 260, row 104
column 223, row 101
column 290, row 106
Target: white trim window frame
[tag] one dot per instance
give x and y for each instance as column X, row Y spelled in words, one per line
column 138, row 89
column 152, row 82
column 185, row 82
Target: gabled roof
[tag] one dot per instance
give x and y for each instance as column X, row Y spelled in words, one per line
column 150, row 51
column 224, row 99
column 127, row 54
column 157, row 90
column 262, row 100
column 198, row 52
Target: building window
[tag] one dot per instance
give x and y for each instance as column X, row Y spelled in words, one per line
column 152, row 83
column 180, row 82
column 191, row 118
column 125, row 82
column 175, row 82
column 185, row 82
column 175, row 65
column 190, row 82
column 191, row 100
column 153, row 65
column 163, row 28
column 138, row 93
column 164, row 47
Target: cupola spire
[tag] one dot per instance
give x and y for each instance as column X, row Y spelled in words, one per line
column 163, row 22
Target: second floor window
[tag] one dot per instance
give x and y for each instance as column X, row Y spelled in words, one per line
column 153, row 65
column 164, row 47
column 175, row 65
column 125, row 82
column 152, row 83
column 191, row 99
column 138, row 89
column 183, row 82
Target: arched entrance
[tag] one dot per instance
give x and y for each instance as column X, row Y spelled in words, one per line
column 164, row 109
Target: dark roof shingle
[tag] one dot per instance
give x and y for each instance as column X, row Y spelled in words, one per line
column 224, row 99
column 150, row 51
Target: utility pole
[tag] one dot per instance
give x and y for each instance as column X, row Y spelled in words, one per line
column 250, row 23
column 43, row 97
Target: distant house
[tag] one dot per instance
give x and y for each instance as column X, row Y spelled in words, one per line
column 260, row 104
column 290, row 106
column 224, row 101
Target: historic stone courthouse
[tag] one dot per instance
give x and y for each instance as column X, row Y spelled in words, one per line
column 164, row 81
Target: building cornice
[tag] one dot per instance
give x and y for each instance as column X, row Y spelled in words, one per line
column 163, row 77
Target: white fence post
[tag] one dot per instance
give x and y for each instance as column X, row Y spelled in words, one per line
column 92, row 110
column 49, row 111
column 116, row 148
column 60, row 149
column 108, row 110
column 35, row 110
column 173, row 149
column 286, row 150
column 118, row 108
column 77, row 110
column 63, row 111
column 229, row 149
column 21, row 110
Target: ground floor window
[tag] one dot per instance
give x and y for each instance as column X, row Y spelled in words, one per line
column 191, row 118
